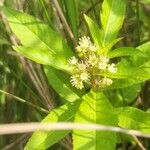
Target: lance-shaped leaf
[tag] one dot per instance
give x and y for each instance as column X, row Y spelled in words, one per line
column 94, row 30
column 126, row 69
column 96, row 34
column 33, row 33
column 61, row 85
column 129, row 76
column 133, row 118
column 112, row 17
column 109, row 46
column 95, row 108
column 144, row 48
column 132, row 70
column 125, row 51
column 41, row 140
column 43, row 56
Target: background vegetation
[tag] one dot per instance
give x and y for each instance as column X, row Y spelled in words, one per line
column 24, row 88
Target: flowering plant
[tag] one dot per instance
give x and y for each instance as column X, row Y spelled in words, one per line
column 91, row 63
column 95, row 81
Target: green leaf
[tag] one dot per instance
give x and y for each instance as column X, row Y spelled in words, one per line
column 125, row 51
column 94, row 30
column 136, row 76
column 33, row 33
column 133, row 70
column 65, row 90
column 133, row 118
column 144, row 48
column 72, row 16
column 129, row 75
column 109, row 46
column 43, row 56
column 41, row 140
column 129, row 94
column 124, row 70
column 112, row 16
column 124, row 96
column 95, row 108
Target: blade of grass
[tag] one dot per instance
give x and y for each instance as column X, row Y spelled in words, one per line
column 94, row 11
column 24, row 101
column 46, row 12
column 71, row 13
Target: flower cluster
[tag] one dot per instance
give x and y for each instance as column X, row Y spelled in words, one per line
column 87, row 68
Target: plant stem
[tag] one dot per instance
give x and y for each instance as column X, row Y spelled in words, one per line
column 138, row 142
column 63, row 19
column 15, row 128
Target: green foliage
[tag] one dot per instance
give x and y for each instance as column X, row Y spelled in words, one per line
column 62, row 88
column 38, row 38
column 65, row 113
column 133, row 118
column 124, row 96
column 40, row 43
column 95, row 108
column 112, row 18
column 132, row 70
column 125, row 51
column 72, row 15
column 95, row 31
column 43, row 56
